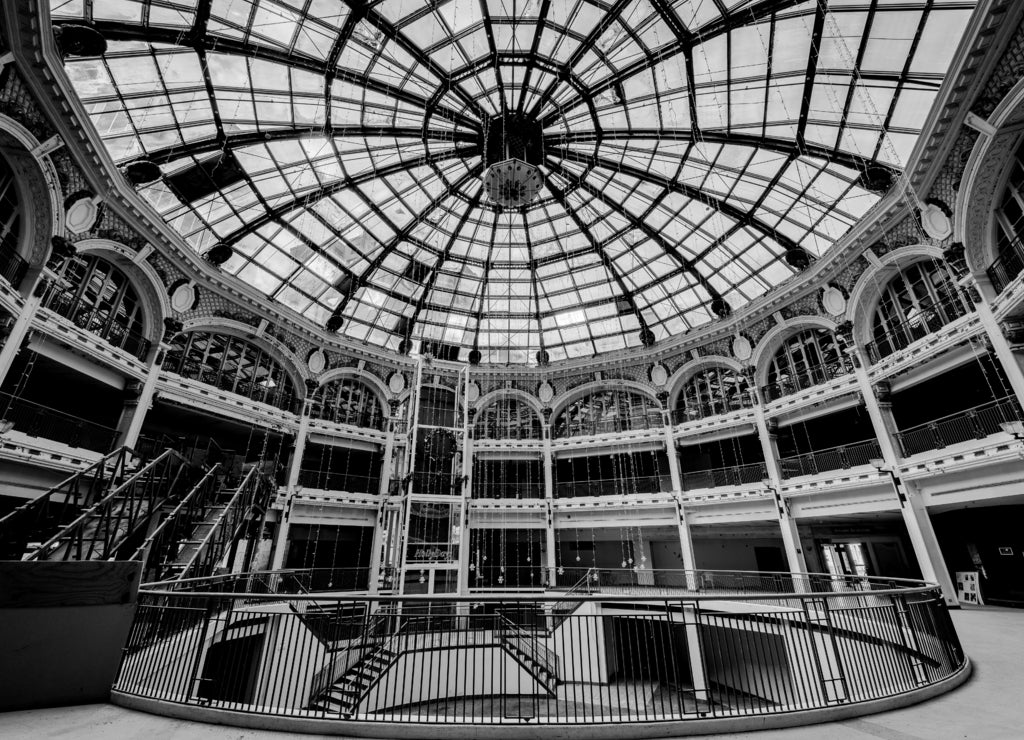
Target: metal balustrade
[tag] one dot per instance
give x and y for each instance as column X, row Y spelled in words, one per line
column 904, row 333
column 272, row 395
column 626, row 486
column 839, row 457
column 813, row 376
column 674, row 655
column 44, row 422
column 483, row 575
column 85, row 315
column 339, row 481
column 650, row 420
column 1006, row 266
column 974, row 423
column 693, row 412
column 732, row 475
column 518, row 489
column 13, row 267
column 507, row 431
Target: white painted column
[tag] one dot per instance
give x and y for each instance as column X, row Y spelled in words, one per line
column 788, row 527
column 145, row 400
column 685, row 539
column 281, row 537
column 22, row 325
column 295, row 468
column 387, row 472
column 912, row 508
column 642, row 564
column 547, row 466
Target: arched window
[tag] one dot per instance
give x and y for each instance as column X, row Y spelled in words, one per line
column 807, row 358
column 714, row 390
column 1009, row 219
column 348, row 401
column 12, row 265
column 920, row 299
column 508, row 418
column 98, row 297
column 231, row 364
column 608, row 411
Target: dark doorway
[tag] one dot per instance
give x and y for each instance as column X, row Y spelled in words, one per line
column 229, row 672
column 770, row 560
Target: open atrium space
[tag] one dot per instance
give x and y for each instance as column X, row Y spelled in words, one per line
column 511, row 368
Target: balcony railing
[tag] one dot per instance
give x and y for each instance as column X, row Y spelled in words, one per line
column 13, row 266
column 507, row 489
column 808, row 379
column 507, row 431
column 37, row 420
column 901, row 335
column 613, row 486
column 425, row 661
column 963, row 426
column 85, row 315
column 832, row 458
column 650, row 420
column 1007, row 266
column 361, row 419
column 333, row 481
column 694, row 411
column 733, row 475
column 268, row 393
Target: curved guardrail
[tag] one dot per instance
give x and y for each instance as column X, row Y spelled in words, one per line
column 726, row 650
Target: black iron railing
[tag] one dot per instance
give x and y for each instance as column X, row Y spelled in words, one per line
column 273, row 394
column 1006, row 266
column 37, row 420
column 490, row 660
column 733, row 475
column 808, row 379
column 652, row 419
column 86, row 315
column 613, row 486
column 904, row 333
column 13, row 267
column 975, row 423
column 694, row 411
column 507, row 431
column 832, row 458
column 483, row 488
column 339, row 481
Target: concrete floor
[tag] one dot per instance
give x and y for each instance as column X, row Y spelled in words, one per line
column 990, row 706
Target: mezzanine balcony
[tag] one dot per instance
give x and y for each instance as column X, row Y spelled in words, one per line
column 1006, row 266
column 37, row 420
column 963, row 426
column 95, row 320
column 730, row 475
column 839, row 457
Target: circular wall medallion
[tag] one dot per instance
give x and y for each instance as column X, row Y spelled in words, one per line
column 935, row 223
column 396, row 383
column 833, row 301
column 742, row 349
column 81, row 212
column 316, row 362
column 659, row 374
column 545, row 392
column 473, row 392
column 183, row 296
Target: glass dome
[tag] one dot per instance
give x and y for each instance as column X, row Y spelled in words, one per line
column 691, row 154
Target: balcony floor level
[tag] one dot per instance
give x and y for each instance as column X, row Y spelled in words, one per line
column 993, row 637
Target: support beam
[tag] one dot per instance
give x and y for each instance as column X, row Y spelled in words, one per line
column 16, row 336
column 301, row 437
column 137, row 408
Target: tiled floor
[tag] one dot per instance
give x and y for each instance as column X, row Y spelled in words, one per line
column 990, row 706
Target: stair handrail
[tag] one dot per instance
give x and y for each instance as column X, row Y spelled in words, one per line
column 238, row 507
column 529, row 643
column 189, row 502
column 560, row 614
column 104, row 505
column 32, row 511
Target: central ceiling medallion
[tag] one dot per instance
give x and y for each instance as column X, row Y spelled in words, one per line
column 513, row 149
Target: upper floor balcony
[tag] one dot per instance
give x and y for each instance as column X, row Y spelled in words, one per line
column 96, row 319
column 37, row 420
column 730, row 475
column 1007, row 265
column 626, row 486
column 809, row 377
column 839, row 457
column 651, row 419
column 899, row 335
column 963, row 426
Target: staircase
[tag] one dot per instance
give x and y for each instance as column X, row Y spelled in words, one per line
column 344, row 695
column 525, row 648
column 24, row 529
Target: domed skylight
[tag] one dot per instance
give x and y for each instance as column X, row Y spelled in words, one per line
column 693, row 153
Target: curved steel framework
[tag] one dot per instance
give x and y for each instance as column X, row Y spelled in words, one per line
column 689, row 150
